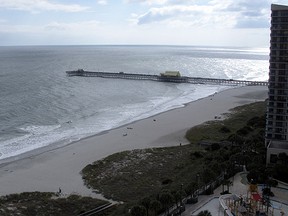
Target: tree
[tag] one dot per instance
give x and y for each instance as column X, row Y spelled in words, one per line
column 204, row 213
column 208, row 176
column 146, row 203
column 155, row 206
column 177, row 197
column 191, row 188
column 138, row 210
column 236, row 139
column 166, row 199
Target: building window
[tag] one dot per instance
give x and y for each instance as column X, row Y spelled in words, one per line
column 280, row 111
column 282, row 13
column 280, row 92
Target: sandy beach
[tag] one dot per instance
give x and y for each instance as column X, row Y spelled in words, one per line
column 49, row 170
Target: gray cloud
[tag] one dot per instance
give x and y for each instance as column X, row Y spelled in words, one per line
column 240, row 13
column 252, row 23
column 150, row 17
column 40, row 5
column 251, row 14
column 161, row 2
column 160, row 14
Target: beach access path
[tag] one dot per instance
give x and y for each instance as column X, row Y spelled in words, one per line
column 61, row 167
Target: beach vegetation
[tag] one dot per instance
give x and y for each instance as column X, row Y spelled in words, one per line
column 166, row 198
column 224, row 129
column 241, row 121
column 146, row 201
column 155, row 206
column 46, row 203
column 216, row 147
column 142, row 172
column 138, row 210
column 196, row 155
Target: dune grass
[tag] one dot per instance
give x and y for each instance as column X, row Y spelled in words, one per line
column 131, row 175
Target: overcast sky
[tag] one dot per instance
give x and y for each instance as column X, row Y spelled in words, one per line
column 242, row 23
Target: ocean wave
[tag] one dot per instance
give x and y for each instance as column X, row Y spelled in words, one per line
column 49, row 107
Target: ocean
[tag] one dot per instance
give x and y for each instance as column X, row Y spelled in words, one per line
column 41, row 106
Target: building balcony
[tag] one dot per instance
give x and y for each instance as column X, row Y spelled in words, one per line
column 278, row 65
column 279, row 48
column 282, row 59
column 282, row 21
column 279, row 14
column 278, row 28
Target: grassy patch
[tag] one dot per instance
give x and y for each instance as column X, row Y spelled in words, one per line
column 40, row 203
column 131, row 175
column 234, row 121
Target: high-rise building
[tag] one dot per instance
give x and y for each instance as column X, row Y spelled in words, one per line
column 277, row 109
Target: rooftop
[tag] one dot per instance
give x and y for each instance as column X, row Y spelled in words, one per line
column 279, row 7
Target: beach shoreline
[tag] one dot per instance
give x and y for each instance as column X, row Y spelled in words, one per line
column 49, row 168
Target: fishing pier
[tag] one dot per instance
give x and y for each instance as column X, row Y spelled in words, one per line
column 168, row 76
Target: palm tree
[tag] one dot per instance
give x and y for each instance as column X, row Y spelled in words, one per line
column 236, row 139
column 191, row 188
column 208, row 176
column 138, row 210
column 146, row 203
column 155, row 206
column 204, row 213
column 176, row 197
column 166, row 199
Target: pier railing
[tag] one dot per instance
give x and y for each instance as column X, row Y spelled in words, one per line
column 160, row 78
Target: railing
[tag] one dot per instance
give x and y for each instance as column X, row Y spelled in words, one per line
column 97, row 210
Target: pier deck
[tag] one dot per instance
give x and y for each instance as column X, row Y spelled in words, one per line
column 181, row 79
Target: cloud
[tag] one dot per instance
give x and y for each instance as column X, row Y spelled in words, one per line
column 161, row 2
column 83, row 32
column 215, row 13
column 75, row 26
column 102, row 2
column 251, row 14
column 40, row 5
column 194, row 15
column 7, row 28
column 149, row 2
column 53, row 27
column 246, row 5
column 252, row 23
